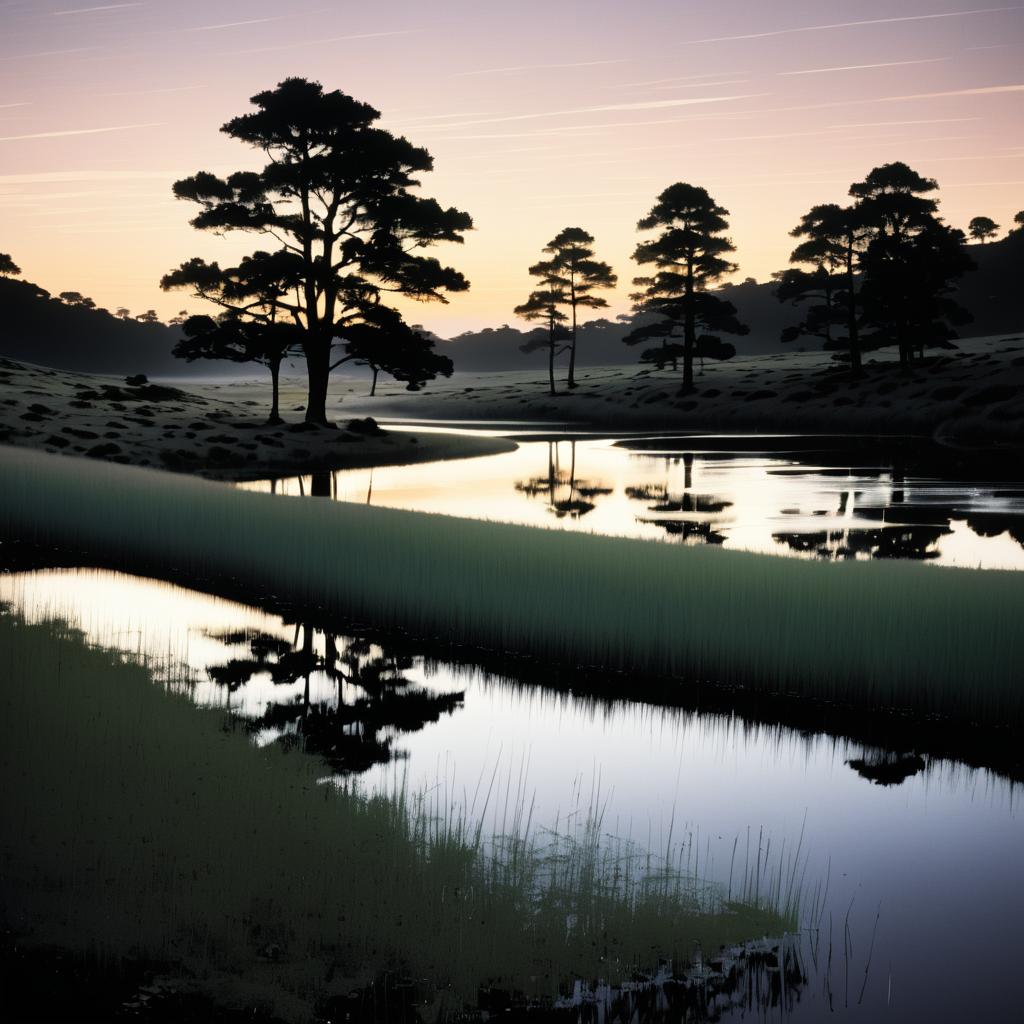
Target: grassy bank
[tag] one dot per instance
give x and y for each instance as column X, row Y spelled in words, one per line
column 933, row 640
column 974, row 394
column 213, row 430
column 138, row 826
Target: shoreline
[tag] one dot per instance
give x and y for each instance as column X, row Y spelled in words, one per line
column 199, row 431
column 972, row 397
column 940, row 641
column 997, row 749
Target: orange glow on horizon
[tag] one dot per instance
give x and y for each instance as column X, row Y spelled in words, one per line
column 102, row 110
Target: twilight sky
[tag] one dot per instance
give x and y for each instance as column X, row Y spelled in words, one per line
column 540, row 114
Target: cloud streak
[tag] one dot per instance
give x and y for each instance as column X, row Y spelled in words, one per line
column 604, row 108
column 537, row 67
column 235, row 24
column 852, row 24
column 677, row 78
column 80, row 131
column 64, row 177
column 986, row 90
column 315, row 42
column 47, row 53
column 93, row 10
column 865, row 67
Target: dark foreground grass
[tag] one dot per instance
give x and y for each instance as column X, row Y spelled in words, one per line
column 136, row 826
column 869, row 635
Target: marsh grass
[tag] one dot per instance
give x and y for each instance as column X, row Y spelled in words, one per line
column 138, row 826
column 935, row 641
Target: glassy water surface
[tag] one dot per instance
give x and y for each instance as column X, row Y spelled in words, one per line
column 920, row 877
column 794, row 496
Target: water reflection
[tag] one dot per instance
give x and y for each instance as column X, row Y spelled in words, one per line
column 801, row 497
column 912, row 866
column 885, row 768
column 352, row 701
column 687, row 515
column 919, row 543
column 566, row 496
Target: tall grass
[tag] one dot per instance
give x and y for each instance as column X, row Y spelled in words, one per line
column 135, row 825
column 944, row 641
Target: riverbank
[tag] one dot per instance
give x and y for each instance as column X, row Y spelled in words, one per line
column 894, row 635
column 972, row 396
column 212, row 431
column 131, row 814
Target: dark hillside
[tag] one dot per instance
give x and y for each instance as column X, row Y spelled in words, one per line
column 37, row 328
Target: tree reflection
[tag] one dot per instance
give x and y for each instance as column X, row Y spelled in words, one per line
column 685, row 503
column 885, row 768
column 351, row 721
column 566, row 496
column 917, row 543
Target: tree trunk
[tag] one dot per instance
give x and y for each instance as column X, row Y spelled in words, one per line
column 275, row 376
column 851, row 315
column 373, row 386
column 551, row 360
column 318, row 370
column 572, row 347
column 689, row 331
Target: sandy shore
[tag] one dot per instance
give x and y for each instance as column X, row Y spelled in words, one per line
column 973, row 395
column 216, row 430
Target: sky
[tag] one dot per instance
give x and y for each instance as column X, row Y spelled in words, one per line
column 540, row 115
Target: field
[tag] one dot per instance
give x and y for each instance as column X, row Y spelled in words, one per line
column 206, row 430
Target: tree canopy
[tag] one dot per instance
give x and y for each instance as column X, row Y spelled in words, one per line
column 689, row 255
column 236, row 340
column 981, row 229
column 832, row 239
column 542, row 305
column 384, row 342
column 895, row 200
column 336, row 194
column 883, row 268
column 910, row 263
column 572, row 273
column 76, row 299
column 8, row 268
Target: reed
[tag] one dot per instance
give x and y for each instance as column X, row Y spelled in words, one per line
column 138, row 826
column 892, row 635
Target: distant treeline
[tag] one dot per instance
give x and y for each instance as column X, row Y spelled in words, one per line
column 992, row 295
column 37, row 327
column 347, row 233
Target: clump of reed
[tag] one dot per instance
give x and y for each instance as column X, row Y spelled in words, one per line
column 138, row 826
column 936, row 641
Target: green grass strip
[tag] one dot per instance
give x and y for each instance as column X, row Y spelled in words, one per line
column 934, row 640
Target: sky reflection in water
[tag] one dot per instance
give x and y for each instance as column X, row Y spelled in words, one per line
column 812, row 504
column 935, row 857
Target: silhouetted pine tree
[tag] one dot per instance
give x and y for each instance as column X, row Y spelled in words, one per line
column 833, row 238
column 542, row 305
column 573, row 268
column 981, row 229
column 689, row 256
column 910, row 264
column 336, row 192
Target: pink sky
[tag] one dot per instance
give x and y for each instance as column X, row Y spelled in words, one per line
column 539, row 115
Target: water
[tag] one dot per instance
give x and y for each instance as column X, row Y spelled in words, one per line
column 923, row 875
column 787, row 496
